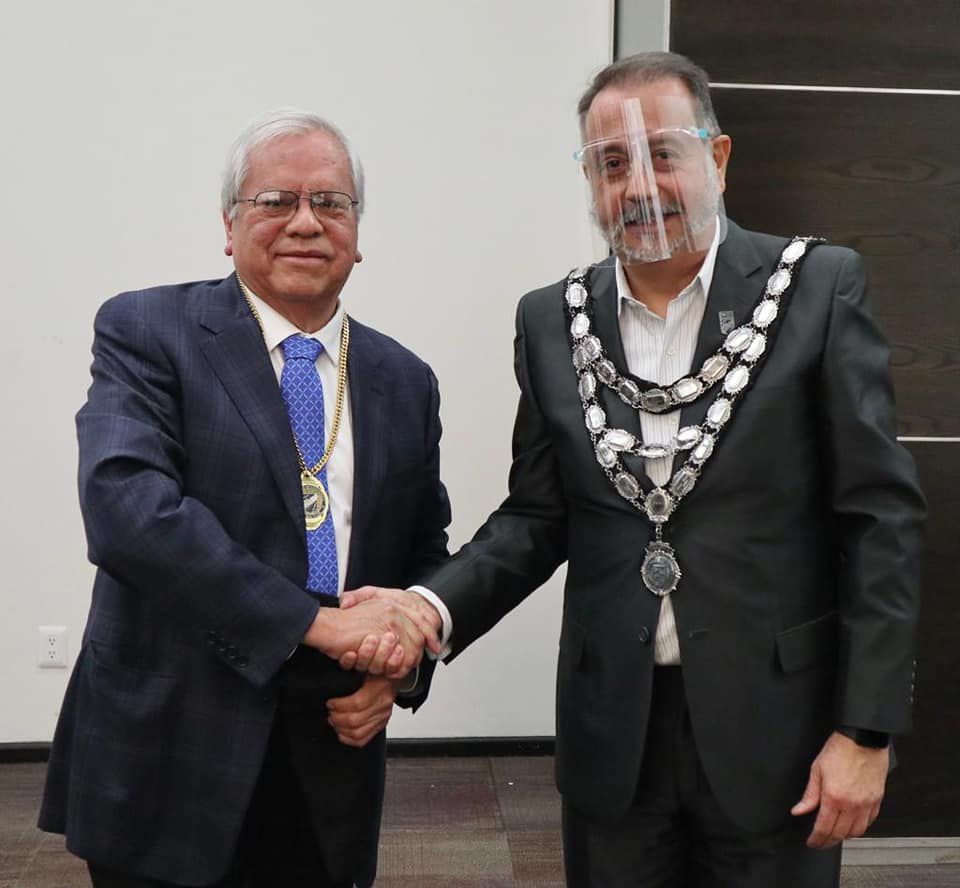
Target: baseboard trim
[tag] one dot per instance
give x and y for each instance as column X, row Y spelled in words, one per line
column 902, row 851
column 11, row 753
column 444, row 747
column 425, row 747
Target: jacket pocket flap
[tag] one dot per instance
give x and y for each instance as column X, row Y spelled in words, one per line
column 808, row 642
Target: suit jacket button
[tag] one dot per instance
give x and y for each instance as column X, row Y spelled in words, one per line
column 644, row 635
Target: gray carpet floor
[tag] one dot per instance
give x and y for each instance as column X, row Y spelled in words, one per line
column 448, row 822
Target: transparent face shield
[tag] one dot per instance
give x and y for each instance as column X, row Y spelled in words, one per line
column 655, row 187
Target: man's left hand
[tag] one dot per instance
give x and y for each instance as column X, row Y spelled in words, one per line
column 846, row 783
column 357, row 719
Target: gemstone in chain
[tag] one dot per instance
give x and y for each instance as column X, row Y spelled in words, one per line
column 576, row 295
column 591, row 345
column 757, row 348
column 687, row 437
column 605, row 456
column 683, row 482
column 580, row 357
column 714, row 367
column 687, row 389
column 655, row 400
column 792, row 253
column 654, row 451
column 606, row 371
column 703, row 450
column 619, row 439
column 738, row 340
column 629, row 392
column 579, row 326
column 719, row 412
column 587, row 386
column 778, row 282
column 736, row 380
column 765, row 313
column 658, row 505
column 627, row 486
column 596, row 419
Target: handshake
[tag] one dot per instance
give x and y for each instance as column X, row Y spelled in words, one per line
column 378, row 631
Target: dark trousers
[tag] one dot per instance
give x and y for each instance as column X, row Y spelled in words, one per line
column 315, row 814
column 676, row 835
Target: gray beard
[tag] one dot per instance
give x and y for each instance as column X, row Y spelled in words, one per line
column 647, row 250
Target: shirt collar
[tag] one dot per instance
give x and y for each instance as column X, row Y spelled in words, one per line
column 704, row 278
column 276, row 328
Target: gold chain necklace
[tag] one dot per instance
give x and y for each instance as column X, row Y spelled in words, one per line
column 316, row 501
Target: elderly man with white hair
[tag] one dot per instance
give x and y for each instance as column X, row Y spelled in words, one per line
column 236, row 475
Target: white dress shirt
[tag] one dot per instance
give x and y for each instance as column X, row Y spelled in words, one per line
column 661, row 350
column 276, row 328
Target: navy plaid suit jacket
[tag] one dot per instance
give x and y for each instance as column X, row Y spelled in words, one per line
column 190, row 493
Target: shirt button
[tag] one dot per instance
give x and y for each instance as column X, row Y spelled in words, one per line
column 671, row 352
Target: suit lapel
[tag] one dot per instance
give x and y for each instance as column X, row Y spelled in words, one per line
column 367, row 409
column 735, row 289
column 238, row 356
column 606, row 318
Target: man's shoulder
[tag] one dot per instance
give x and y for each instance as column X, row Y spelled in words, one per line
column 168, row 301
column 548, row 295
column 389, row 350
column 770, row 246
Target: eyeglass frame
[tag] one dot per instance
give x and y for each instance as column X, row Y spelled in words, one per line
column 701, row 133
column 310, row 195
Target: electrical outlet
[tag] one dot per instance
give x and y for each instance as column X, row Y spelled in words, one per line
column 52, row 647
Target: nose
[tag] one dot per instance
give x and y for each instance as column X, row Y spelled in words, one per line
column 640, row 184
column 304, row 221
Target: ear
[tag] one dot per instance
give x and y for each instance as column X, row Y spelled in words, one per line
column 721, row 146
column 228, row 229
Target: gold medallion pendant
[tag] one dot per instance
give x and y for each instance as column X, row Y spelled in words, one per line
column 316, row 503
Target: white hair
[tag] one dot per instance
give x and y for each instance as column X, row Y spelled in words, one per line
column 273, row 125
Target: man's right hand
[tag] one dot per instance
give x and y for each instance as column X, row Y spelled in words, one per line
column 378, row 635
column 417, row 609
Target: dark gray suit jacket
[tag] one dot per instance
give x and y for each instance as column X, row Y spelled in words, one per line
column 799, row 547
column 191, row 499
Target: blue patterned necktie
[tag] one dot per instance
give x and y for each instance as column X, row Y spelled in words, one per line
column 303, row 394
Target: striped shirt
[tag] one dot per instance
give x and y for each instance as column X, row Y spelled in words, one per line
column 661, row 350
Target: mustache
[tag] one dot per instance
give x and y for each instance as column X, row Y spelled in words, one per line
column 644, row 211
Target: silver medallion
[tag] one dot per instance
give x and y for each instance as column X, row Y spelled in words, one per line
column 765, row 313
column 595, row 419
column 660, row 571
column 579, row 326
column 629, row 392
column 655, row 400
column 792, row 253
column 619, row 439
column 606, row 371
column 778, row 282
column 587, row 386
column 576, row 295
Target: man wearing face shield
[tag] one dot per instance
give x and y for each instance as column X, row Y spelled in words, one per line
column 706, row 434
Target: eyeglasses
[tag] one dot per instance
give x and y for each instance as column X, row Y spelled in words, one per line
column 670, row 150
column 326, row 205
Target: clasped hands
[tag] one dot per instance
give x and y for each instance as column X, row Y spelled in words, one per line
column 378, row 631
column 382, row 632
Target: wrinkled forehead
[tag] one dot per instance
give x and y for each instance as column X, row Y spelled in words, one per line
column 624, row 111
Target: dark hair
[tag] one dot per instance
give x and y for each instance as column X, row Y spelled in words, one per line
column 648, row 67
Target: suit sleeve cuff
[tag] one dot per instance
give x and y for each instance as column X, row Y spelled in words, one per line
column 445, row 618
column 863, row 737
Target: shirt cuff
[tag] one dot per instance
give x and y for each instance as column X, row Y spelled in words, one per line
column 409, row 681
column 445, row 619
